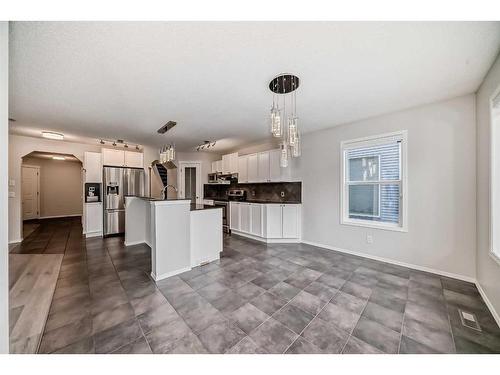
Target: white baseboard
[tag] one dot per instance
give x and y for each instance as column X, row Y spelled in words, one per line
column 395, row 262
column 266, row 240
column 93, row 234
column 58, row 216
column 488, row 303
column 134, row 243
column 19, row 240
column 169, row 274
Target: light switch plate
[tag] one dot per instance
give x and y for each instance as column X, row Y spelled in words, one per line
column 369, row 238
column 12, row 182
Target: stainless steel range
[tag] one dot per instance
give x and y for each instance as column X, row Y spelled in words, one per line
column 232, row 195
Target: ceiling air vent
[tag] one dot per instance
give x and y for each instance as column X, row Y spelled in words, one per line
column 469, row 320
column 165, row 128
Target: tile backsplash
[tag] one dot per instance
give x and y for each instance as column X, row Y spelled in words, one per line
column 273, row 192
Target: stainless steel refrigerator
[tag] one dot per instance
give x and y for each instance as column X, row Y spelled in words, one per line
column 118, row 183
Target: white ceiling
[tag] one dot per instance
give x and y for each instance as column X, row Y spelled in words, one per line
column 125, row 80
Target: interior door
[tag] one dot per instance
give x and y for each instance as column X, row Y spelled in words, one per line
column 30, row 192
column 190, row 182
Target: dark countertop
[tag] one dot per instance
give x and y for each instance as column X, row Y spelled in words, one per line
column 199, row 207
column 151, row 199
column 256, row 201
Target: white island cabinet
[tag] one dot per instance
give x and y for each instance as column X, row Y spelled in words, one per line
column 180, row 237
column 267, row 222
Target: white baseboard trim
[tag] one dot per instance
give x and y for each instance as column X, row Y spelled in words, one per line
column 395, row 262
column 58, row 216
column 266, row 240
column 93, row 234
column 133, row 243
column 19, row 240
column 488, row 303
column 169, row 274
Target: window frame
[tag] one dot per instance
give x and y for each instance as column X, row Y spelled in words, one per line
column 402, row 137
column 494, row 253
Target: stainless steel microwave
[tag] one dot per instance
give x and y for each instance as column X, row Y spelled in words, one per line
column 213, row 178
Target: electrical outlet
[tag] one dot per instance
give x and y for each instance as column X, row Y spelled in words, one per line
column 282, row 194
column 369, row 238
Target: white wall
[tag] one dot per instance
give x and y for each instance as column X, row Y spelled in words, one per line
column 4, row 143
column 488, row 271
column 441, row 188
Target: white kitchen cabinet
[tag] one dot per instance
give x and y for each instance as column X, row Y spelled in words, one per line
column 230, row 163
column 93, row 219
column 273, row 213
column 134, row 159
column 219, row 166
column 93, row 167
column 243, row 169
column 253, row 168
column 225, row 164
column 256, row 219
column 234, row 215
column 245, row 217
column 113, row 157
column 121, row 158
column 263, row 169
column 290, row 220
column 214, row 167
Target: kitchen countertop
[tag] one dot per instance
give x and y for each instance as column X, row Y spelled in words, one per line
column 263, row 201
column 152, row 199
column 199, row 207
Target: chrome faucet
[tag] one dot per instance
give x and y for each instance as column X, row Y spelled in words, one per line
column 166, row 188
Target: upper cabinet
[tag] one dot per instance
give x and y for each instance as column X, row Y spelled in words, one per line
column 93, row 167
column 243, row 169
column 134, row 159
column 253, row 168
column 228, row 164
column 121, row 158
column 262, row 167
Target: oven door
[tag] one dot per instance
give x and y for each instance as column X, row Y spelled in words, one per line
column 225, row 215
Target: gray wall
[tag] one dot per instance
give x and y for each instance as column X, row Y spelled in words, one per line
column 488, row 271
column 61, row 187
column 4, row 147
column 441, row 188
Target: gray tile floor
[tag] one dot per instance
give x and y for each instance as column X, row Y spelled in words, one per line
column 259, row 299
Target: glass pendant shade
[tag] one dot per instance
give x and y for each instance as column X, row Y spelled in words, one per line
column 283, row 155
column 276, row 126
column 293, row 130
column 295, row 148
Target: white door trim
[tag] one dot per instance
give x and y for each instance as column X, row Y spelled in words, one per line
column 180, row 179
column 27, row 166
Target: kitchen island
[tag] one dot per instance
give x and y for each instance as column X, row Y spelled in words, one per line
column 181, row 235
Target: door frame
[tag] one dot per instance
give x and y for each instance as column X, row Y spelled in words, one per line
column 38, row 190
column 180, row 179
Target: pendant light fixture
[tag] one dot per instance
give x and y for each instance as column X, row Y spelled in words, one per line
column 167, row 153
column 284, row 87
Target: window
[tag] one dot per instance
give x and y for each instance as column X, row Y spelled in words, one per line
column 495, row 178
column 373, row 178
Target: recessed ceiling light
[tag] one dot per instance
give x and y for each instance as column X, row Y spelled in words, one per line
column 52, row 135
column 58, row 158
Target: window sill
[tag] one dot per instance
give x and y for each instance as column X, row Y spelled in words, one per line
column 495, row 257
column 374, row 226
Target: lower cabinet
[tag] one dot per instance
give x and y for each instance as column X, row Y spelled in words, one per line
column 266, row 222
column 93, row 219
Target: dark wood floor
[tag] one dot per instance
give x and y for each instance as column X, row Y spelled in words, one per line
column 53, row 236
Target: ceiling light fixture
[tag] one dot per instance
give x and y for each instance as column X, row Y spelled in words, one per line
column 58, row 158
column 205, row 145
column 52, row 135
column 102, row 142
column 284, row 87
